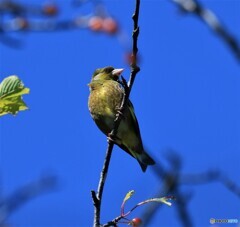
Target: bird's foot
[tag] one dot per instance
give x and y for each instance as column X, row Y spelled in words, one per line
column 119, row 112
column 111, row 138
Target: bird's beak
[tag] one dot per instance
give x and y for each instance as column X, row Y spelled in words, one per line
column 117, row 72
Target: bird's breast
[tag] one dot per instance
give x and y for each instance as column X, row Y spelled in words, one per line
column 105, row 100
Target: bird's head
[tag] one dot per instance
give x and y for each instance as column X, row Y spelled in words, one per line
column 106, row 73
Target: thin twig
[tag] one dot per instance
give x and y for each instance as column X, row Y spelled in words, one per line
column 10, row 204
column 171, row 182
column 212, row 21
column 97, row 197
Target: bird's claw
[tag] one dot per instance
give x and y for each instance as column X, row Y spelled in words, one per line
column 110, row 138
column 119, row 112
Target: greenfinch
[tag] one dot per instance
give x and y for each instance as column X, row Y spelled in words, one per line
column 106, row 94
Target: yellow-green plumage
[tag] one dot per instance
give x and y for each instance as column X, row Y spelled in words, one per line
column 105, row 98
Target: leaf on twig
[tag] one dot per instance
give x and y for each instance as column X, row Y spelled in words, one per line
column 127, row 197
column 164, row 200
column 11, row 91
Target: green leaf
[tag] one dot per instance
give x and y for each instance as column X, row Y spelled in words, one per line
column 164, row 200
column 11, row 91
column 128, row 196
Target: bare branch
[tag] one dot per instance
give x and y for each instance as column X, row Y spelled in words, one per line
column 24, row 194
column 212, row 21
column 134, row 70
column 173, row 179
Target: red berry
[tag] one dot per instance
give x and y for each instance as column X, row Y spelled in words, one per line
column 110, row 25
column 50, row 9
column 136, row 222
column 21, row 23
column 131, row 59
column 95, row 23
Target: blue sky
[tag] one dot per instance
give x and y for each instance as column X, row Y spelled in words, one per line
column 186, row 98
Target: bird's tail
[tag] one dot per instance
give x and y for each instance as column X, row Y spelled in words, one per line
column 144, row 160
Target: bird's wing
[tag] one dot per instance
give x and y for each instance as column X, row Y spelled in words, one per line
column 133, row 117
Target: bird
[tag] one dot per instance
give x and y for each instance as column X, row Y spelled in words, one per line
column 106, row 94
